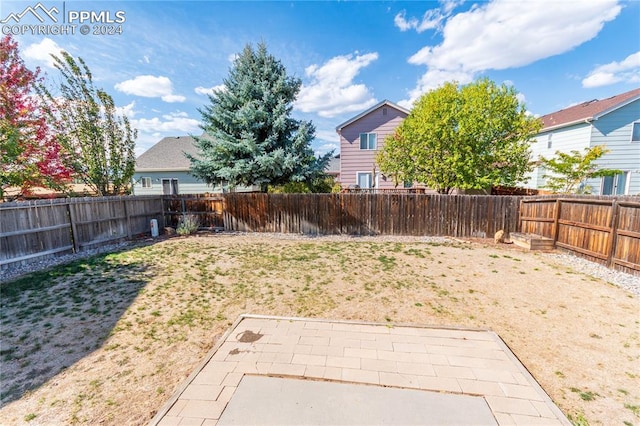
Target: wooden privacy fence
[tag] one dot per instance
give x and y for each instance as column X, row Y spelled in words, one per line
column 602, row 229
column 372, row 214
column 32, row 229
column 207, row 208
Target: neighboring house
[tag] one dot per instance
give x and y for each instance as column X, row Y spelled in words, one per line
column 333, row 168
column 613, row 122
column 164, row 169
column 361, row 138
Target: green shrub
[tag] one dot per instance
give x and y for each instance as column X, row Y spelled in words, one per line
column 187, row 225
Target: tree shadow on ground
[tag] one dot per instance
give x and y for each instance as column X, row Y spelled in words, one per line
column 51, row 319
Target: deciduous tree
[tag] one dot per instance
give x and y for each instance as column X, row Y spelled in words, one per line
column 250, row 137
column 569, row 171
column 30, row 155
column 464, row 137
column 100, row 140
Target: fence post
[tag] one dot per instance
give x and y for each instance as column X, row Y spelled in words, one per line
column 126, row 213
column 556, row 220
column 613, row 234
column 164, row 220
column 74, row 229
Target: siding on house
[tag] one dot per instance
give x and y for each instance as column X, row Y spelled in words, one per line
column 187, row 184
column 570, row 138
column 606, row 122
column 614, row 131
column 167, row 160
column 354, row 160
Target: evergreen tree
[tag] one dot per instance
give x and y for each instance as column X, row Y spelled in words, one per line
column 249, row 136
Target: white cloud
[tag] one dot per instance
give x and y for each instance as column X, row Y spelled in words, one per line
column 332, row 90
column 431, row 20
column 402, row 23
column 209, row 90
column 433, row 79
column 506, row 34
column 127, row 110
column 151, row 130
column 327, row 147
column 328, row 135
column 173, row 123
column 150, row 86
column 42, row 51
column 173, row 98
column 627, row 70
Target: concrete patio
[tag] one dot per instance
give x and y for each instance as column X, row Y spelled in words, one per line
column 272, row 370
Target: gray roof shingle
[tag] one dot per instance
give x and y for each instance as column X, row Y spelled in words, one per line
column 168, row 154
column 587, row 110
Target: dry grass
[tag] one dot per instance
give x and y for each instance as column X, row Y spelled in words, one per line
column 108, row 339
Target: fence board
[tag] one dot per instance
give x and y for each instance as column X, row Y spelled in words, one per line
column 603, row 229
column 32, row 230
column 366, row 213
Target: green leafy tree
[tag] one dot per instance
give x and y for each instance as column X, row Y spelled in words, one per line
column 569, row 171
column 30, row 155
column 464, row 137
column 250, row 137
column 319, row 185
column 101, row 141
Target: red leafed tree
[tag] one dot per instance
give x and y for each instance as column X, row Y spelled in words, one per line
column 30, row 155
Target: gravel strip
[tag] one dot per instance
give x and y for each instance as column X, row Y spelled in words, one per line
column 621, row 279
column 626, row 281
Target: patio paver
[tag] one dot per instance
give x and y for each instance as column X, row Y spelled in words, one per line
column 451, row 361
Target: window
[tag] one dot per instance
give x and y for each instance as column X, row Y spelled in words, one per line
column 169, row 186
column 635, row 132
column 146, row 182
column 364, row 180
column 367, row 141
column 615, row 185
column 384, row 111
column 549, row 141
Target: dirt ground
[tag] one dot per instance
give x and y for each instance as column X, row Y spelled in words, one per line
column 107, row 340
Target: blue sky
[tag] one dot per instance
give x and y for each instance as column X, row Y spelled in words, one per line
column 349, row 55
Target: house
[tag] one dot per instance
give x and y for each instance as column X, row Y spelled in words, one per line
column 361, row 137
column 613, row 122
column 333, row 168
column 164, row 169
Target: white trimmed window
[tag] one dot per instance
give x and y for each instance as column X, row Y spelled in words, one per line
column 367, row 141
column 364, row 180
column 615, row 185
column 635, row 132
column 146, row 182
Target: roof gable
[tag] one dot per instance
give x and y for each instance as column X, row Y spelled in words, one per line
column 588, row 111
column 369, row 111
column 168, row 154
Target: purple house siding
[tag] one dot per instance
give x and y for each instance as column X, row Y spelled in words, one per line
column 382, row 119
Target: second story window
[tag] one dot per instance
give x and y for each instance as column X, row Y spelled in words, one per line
column 367, row 141
column 635, row 132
